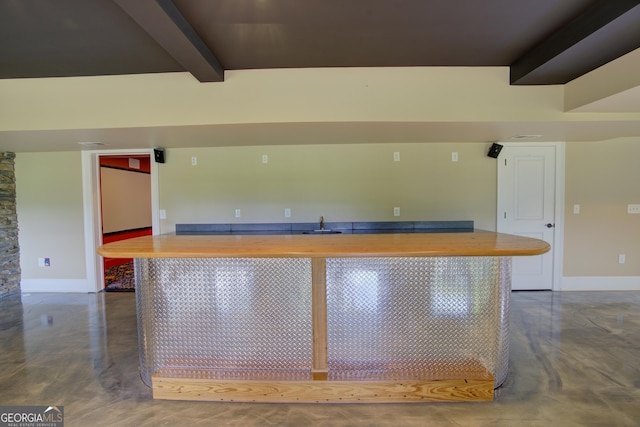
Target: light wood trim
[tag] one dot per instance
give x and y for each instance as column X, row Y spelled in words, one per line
column 323, row 391
column 477, row 243
column 319, row 318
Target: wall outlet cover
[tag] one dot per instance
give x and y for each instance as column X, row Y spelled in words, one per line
column 633, row 209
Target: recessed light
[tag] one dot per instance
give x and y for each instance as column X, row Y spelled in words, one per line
column 91, row 144
column 525, row 136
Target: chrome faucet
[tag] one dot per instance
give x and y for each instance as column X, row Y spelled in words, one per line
column 321, row 223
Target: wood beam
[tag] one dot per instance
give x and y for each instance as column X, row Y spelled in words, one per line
column 170, row 29
column 586, row 24
column 319, row 369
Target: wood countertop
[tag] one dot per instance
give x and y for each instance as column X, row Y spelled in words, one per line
column 476, row 243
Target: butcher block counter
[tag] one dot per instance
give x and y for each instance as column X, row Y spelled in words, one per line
column 389, row 317
column 476, row 243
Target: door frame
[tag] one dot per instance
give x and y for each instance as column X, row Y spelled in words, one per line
column 93, row 214
column 558, row 235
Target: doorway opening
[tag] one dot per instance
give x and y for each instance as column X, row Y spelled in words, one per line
column 125, row 211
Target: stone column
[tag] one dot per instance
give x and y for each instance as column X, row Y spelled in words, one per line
column 9, row 246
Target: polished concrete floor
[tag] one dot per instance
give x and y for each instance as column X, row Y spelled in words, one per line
column 575, row 361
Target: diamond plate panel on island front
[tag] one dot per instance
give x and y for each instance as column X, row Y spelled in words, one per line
column 227, row 318
column 407, row 318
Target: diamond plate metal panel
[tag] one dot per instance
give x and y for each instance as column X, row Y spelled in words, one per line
column 403, row 318
column 388, row 318
column 229, row 318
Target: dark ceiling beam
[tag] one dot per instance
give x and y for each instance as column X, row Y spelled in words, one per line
column 586, row 24
column 169, row 28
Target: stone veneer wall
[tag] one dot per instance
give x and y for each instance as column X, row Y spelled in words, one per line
column 9, row 246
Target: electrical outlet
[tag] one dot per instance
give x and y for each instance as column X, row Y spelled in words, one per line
column 454, row 156
column 633, row 209
column 287, row 212
column 238, row 213
column 194, row 161
column 40, row 262
column 622, row 259
column 163, row 214
column 396, row 156
column 396, row 211
column 265, row 159
column 576, row 209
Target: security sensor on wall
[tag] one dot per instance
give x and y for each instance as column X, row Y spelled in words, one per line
column 494, row 151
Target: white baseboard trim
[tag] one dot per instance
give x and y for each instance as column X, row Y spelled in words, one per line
column 55, row 285
column 602, row 283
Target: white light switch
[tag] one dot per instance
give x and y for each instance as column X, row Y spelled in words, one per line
column 621, row 259
column 454, row 156
column 576, row 209
column 163, row 214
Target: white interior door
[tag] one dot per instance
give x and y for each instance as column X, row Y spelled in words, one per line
column 526, row 207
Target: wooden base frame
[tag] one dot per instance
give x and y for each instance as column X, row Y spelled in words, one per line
column 456, row 390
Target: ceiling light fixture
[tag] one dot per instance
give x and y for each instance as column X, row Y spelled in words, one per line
column 525, row 136
column 91, row 144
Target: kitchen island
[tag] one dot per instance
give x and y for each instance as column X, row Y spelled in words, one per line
column 393, row 317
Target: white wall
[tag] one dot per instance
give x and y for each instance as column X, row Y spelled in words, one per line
column 310, row 95
column 344, row 182
column 50, row 220
column 353, row 182
column 603, row 178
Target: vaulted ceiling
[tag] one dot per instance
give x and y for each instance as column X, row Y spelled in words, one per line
column 543, row 42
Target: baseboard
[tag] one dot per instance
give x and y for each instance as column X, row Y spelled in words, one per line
column 601, row 283
column 55, row 285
